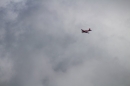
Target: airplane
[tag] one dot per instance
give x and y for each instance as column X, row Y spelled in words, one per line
column 86, row 31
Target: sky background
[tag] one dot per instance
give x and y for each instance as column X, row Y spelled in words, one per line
column 41, row 43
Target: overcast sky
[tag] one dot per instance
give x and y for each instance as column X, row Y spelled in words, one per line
column 41, row 43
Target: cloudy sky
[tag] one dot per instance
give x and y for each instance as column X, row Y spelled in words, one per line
column 41, row 43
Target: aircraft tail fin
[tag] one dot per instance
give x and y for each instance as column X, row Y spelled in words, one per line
column 89, row 29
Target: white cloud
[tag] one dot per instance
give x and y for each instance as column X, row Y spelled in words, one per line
column 46, row 46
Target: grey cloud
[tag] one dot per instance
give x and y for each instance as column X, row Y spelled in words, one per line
column 44, row 46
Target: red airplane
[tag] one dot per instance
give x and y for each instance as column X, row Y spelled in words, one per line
column 86, row 31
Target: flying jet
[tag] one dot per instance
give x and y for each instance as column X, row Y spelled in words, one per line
column 86, row 31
